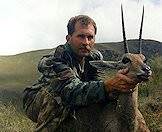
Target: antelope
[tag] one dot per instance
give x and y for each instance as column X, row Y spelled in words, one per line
column 123, row 115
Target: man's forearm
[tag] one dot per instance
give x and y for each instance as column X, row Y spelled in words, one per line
column 78, row 93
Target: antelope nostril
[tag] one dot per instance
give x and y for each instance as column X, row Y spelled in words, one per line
column 146, row 68
column 147, row 72
column 150, row 73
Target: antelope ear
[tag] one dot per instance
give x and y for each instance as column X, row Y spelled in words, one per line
column 103, row 65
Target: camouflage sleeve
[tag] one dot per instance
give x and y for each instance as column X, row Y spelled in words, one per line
column 76, row 92
column 73, row 91
column 45, row 65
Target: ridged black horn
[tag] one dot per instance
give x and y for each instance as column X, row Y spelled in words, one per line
column 140, row 34
column 126, row 50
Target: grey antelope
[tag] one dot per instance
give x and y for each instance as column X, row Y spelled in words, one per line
column 126, row 116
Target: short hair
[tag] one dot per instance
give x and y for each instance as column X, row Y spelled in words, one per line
column 83, row 20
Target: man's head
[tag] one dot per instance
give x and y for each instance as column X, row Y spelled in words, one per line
column 81, row 34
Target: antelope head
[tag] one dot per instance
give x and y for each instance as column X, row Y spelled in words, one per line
column 136, row 63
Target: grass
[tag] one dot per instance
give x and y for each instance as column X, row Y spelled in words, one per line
column 16, row 72
column 12, row 120
column 150, row 94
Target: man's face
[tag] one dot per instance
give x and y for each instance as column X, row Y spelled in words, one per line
column 82, row 40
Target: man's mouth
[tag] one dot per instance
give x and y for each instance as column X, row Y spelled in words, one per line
column 85, row 48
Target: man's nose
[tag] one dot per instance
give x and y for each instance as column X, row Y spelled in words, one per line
column 85, row 41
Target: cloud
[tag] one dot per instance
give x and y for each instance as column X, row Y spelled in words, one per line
column 38, row 24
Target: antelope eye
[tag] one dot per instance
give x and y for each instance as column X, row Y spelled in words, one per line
column 126, row 60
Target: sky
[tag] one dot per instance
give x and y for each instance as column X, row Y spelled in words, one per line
column 27, row 25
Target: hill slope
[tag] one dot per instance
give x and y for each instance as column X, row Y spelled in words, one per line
column 19, row 70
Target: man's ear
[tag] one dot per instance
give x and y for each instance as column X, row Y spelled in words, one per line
column 68, row 37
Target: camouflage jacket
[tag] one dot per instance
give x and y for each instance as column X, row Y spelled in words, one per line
column 78, row 85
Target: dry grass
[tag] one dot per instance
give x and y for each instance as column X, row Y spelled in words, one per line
column 12, row 120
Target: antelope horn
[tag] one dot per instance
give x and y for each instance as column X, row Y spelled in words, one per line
column 140, row 34
column 126, row 50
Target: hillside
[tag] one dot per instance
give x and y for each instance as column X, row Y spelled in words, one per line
column 149, row 48
column 19, row 70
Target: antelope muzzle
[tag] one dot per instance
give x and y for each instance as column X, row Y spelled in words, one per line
column 145, row 73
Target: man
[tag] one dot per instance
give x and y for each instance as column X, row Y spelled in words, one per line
column 67, row 73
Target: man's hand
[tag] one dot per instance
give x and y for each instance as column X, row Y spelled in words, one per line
column 122, row 82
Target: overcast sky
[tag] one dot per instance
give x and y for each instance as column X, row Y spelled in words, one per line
column 27, row 25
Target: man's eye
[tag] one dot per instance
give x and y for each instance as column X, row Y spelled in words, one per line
column 90, row 37
column 81, row 36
